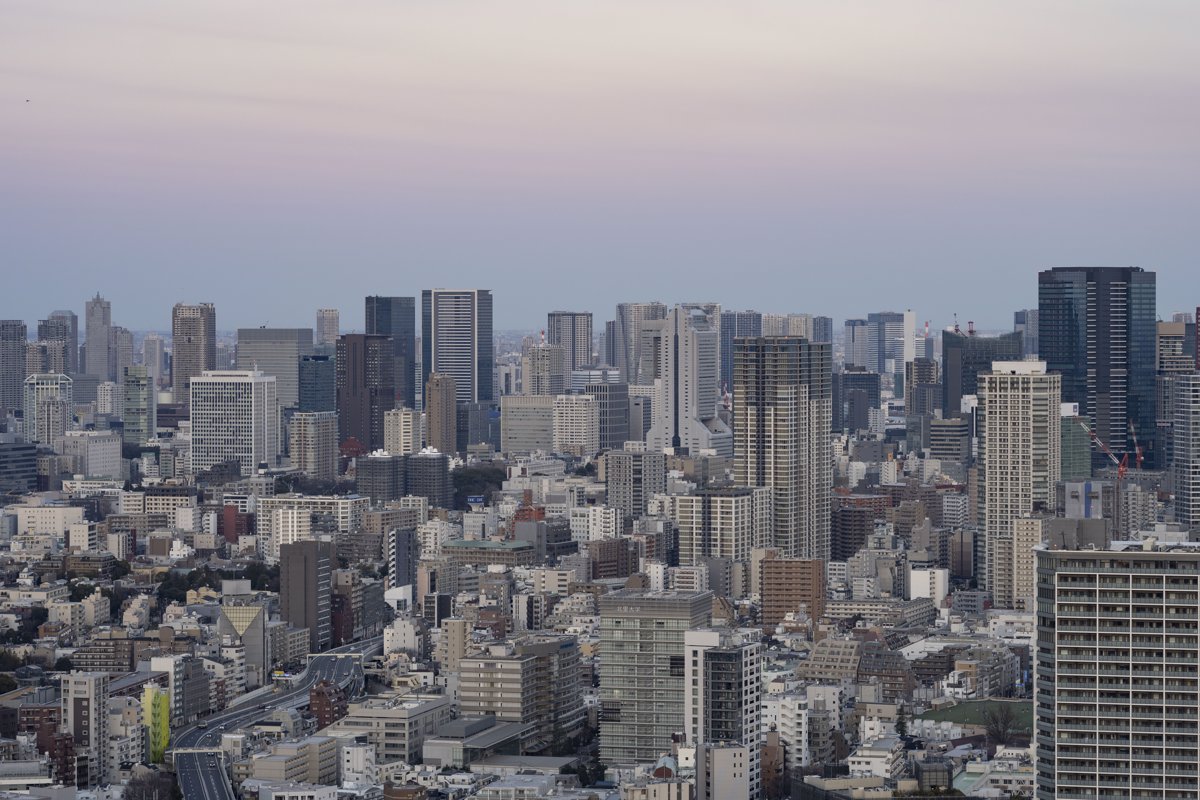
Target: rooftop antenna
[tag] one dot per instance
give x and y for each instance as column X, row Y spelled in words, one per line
column 956, row 329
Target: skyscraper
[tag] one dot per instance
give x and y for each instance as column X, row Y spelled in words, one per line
column 856, row 354
column 614, row 413
column 689, row 355
column 965, row 356
column 193, row 345
column 572, row 330
column 235, row 417
column 457, row 340
column 46, row 406
column 1020, row 414
column 396, row 318
column 98, row 332
column 543, row 369
column 318, row 384
column 1116, row 672
column 329, row 325
column 1096, row 327
column 735, row 325
column 642, row 687
column 13, row 338
column 782, row 416
column 441, row 419
column 153, row 355
column 62, row 326
column 1186, row 450
column 1025, row 322
column 313, row 443
column 626, row 344
column 277, row 352
column 139, row 405
column 122, row 351
column 632, row 478
column 306, row 589
column 366, row 387
column 890, row 338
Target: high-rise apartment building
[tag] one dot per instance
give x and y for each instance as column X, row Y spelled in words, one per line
column 313, row 443
column 85, row 718
column 642, row 690
column 725, row 666
column 571, row 330
column 98, row 338
column 366, row 387
column 689, row 355
column 193, row 345
column 722, row 522
column 13, row 338
column 543, row 368
column 1117, row 681
column 306, row 589
column 790, row 585
column 577, row 425
column 625, row 346
column 441, row 413
column 1185, row 437
column 456, row 339
column 277, row 352
column 46, row 406
column 782, row 419
column 1096, row 327
column 329, row 326
column 1020, row 414
column 403, row 431
column 633, row 477
column 396, row 318
column 139, row 405
column 235, row 417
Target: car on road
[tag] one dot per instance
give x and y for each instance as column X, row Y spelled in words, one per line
column 201, row 724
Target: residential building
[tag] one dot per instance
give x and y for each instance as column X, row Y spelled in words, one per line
column 193, row 345
column 313, row 443
column 1019, row 417
column 1117, row 680
column 642, row 689
column 782, row 418
column 688, row 354
column 306, row 589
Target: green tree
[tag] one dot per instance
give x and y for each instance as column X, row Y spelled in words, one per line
column 63, row 665
column 7, row 682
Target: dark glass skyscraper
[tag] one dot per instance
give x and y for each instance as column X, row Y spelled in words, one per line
column 396, row 318
column 965, row 356
column 1096, row 326
column 365, row 387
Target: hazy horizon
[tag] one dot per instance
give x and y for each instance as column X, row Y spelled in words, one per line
column 824, row 158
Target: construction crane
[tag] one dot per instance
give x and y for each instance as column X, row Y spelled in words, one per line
column 1122, row 463
column 1137, row 448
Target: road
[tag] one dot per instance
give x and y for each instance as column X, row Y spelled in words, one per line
column 199, row 764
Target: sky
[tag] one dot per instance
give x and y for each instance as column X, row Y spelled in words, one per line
column 788, row 156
